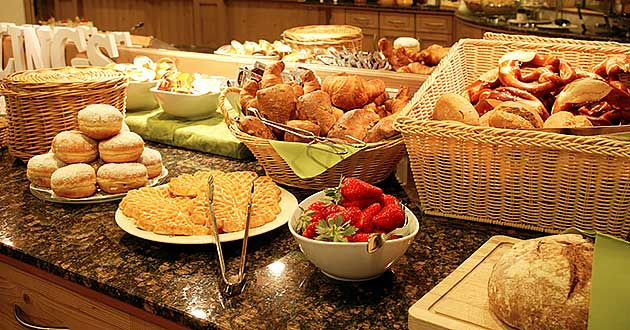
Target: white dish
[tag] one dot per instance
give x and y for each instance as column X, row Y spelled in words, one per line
column 187, row 106
column 139, row 96
column 244, row 56
column 288, row 204
column 48, row 195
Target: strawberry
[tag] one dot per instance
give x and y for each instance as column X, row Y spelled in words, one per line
column 330, row 209
column 318, row 206
column 360, row 203
column 367, row 216
column 389, row 217
column 310, row 232
column 360, row 237
column 353, row 189
column 389, row 199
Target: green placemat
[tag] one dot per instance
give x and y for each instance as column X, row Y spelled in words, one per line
column 209, row 135
column 610, row 293
column 310, row 161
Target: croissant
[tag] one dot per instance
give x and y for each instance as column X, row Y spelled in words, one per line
column 272, row 75
column 433, row 54
column 310, row 81
column 297, row 89
column 383, row 129
column 401, row 99
column 316, row 106
column 355, row 123
column 346, row 92
column 254, row 126
column 248, row 94
column 277, row 103
column 304, row 125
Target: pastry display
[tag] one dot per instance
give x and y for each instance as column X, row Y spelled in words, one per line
column 143, row 68
column 539, row 88
column 74, row 181
column 182, row 206
column 108, row 164
column 543, row 283
column 100, row 121
column 121, row 148
column 260, row 48
column 405, row 56
column 343, row 107
column 187, row 83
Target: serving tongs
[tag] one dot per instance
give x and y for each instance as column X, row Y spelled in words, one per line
column 235, row 284
column 337, row 146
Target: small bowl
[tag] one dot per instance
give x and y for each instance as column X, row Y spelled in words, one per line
column 350, row 261
column 187, row 106
column 140, row 97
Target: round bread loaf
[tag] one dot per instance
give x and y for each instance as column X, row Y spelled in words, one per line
column 74, row 147
column 100, row 121
column 117, row 178
column 451, row 106
column 39, row 169
column 122, row 148
column 562, row 119
column 510, row 114
column 543, row 283
column 152, row 160
column 74, row 181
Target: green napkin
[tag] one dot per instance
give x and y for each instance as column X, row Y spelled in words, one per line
column 310, row 161
column 209, row 135
column 610, row 292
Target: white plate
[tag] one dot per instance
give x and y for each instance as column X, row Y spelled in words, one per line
column 48, row 195
column 245, row 56
column 288, row 204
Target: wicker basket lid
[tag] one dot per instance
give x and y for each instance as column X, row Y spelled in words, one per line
column 325, row 33
column 42, row 78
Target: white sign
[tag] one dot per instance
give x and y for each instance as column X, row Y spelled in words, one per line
column 38, row 47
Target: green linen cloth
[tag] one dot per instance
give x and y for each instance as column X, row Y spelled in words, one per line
column 209, row 135
column 310, row 161
column 610, row 292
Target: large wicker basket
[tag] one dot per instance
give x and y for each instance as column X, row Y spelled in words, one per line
column 312, row 37
column 526, row 179
column 42, row 103
column 372, row 164
column 4, row 135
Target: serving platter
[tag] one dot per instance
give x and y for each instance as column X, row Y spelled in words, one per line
column 460, row 301
column 245, row 56
column 288, row 204
column 46, row 194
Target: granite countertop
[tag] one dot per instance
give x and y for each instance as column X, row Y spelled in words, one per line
column 83, row 244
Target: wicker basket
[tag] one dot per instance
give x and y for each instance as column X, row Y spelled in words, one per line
column 4, row 135
column 311, row 37
column 538, row 39
column 372, row 164
column 42, row 103
column 526, row 179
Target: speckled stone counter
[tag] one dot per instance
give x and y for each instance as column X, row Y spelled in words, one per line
column 83, row 244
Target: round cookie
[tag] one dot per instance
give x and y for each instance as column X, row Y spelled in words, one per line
column 117, row 178
column 74, row 147
column 152, row 160
column 39, row 169
column 122, row 148
column 74, row 181
column 100, row 121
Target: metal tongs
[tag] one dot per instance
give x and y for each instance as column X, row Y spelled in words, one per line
column 337, row 146
column 235, row 284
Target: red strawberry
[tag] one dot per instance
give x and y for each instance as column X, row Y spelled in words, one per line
column 310, row 231
column 360, row 203
column 318, row 206
column 353, row 189
column 390, row 217
column 347, row 214
column 360, row 237
column 330, row 209
column 389, row 199
column 367, row 224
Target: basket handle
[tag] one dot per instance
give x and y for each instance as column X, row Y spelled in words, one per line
column 222, row 99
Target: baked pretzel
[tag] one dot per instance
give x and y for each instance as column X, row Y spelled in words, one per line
column 549, row 75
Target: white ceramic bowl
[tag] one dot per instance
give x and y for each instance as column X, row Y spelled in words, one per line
column 187, row 106
column 350, row 261
column 140, row 97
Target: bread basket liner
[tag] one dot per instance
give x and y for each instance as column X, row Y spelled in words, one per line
column 373, row 163
column 527, row 179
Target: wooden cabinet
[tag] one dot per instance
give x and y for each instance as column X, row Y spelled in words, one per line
column 397, row 22
column 467, row 30
column 362, row 18
column 210, row 23
column 434, row 29
column 45, row 303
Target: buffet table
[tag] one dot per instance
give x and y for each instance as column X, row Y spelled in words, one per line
column 160, row 283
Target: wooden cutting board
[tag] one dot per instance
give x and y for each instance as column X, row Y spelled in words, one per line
column 460, row 301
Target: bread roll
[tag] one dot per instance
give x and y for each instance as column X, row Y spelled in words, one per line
column 510, row 114
column 451, row 106
column 563, row 119
column 543, row 283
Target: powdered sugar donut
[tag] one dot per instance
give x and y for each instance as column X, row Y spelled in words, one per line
column 122, row 148
column 74, row 147
column 74, row 181
column 100, row 121
column 121, row 177
column 152, row 160
column 39, row 169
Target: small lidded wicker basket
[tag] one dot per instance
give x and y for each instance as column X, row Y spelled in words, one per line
column 312, row 37
column 41, row 103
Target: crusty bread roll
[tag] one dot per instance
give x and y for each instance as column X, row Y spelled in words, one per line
column 543, row 283
column 510, row 114
column 563, row 119
column 451, row 106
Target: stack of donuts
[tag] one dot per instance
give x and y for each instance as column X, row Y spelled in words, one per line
column 103, row 154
